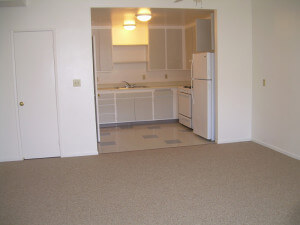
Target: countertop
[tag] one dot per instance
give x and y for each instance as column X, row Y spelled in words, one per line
column 156, row 85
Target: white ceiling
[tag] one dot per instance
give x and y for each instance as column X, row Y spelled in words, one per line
column 160, row 17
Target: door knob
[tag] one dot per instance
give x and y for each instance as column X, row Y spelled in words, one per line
column 21, row 103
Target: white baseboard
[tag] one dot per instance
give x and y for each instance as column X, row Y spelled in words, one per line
column 11, row 159
column 79, row 154
column 277, row 149
column 226, row 141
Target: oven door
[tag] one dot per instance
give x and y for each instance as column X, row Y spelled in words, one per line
column 185, row 104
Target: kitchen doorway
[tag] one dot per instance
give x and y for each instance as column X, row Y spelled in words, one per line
column 140, row 74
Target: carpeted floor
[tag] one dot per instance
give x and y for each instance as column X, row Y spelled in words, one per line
column 242, row 183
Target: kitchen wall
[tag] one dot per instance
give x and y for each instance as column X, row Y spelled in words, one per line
column 72, row 23
column 134, row 74
column 276, row 57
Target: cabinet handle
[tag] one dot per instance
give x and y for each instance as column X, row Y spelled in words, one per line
column 21, row 103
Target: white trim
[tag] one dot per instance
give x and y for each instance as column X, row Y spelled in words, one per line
column 57, row 91
column 226, row 141
column 277, row 149
column 16, row 98
column 10, row 159
column 101, row 27
column 80, row 154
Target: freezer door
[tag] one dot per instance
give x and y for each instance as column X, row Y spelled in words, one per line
column 202, row 65
column 202, row 108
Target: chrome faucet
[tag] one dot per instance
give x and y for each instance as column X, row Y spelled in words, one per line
column 127, row 85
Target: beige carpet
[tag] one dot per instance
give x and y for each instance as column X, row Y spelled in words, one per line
column 241, row 183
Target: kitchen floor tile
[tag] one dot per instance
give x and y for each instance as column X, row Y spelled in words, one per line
column 145, row 136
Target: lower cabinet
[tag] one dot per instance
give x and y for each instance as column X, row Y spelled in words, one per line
column 163, row 104
column 143, row 106
column 118, row 107
column 106, row 104
column 125, row 109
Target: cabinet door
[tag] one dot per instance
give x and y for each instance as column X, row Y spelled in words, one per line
column 157, row 49
column 103, row 41
column 125, row 107
column 163, row 104
column 190, row 45
column 203, row 35
column 174, row 48
column 143, row 109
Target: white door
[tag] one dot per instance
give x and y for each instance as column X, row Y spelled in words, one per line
column 202, row 108
column 96, row 90
column 36, row 93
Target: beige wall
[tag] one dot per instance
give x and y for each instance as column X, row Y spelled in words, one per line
column 234, row 57
column 276, row 58
column 71, row 21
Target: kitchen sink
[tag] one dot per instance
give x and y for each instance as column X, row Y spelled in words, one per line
column 131, row 87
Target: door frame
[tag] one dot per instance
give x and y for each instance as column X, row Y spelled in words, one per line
column 53, row 31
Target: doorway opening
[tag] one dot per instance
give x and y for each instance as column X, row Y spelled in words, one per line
column 154, row 83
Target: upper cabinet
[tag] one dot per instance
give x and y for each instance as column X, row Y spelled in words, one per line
column 198, row 38
column 157, row 49
column 174, row 49
column 190, row 44
column 103, row 49
column 203, row 35
column 166, row 49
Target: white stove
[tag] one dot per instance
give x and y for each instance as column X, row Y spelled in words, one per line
column 185, row 106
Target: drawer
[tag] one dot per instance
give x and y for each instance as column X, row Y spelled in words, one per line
column 143, row 94
column 105, row 95
column 107, row 118
column 185, row 121
column 163, row 92
column 106, row 101
column 106, row 109
column 125, row 95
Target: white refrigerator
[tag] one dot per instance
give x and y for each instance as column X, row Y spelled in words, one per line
column 203, row 86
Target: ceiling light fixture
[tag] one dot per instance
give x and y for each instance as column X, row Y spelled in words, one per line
column 129, row 26
column 143, row 17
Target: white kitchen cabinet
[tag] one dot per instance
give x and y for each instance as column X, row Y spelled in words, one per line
column 198, row 38
column 143, row 106
column 166, row 49
column 190, row 44
column 106, row 104
column 163, row 104
column 203, row 35
column 118, row 106
column 125, row 107
column 157, row 49
column 174, row 49
column 103, row 48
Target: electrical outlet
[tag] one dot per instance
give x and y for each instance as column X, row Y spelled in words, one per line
column 144, row 77
column 166, row 76
column 76, row 83
column 264, row 82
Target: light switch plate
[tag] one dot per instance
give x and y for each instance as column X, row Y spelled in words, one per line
column 76, row 83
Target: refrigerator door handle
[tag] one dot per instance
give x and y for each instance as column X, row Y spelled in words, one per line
column 192, row 79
